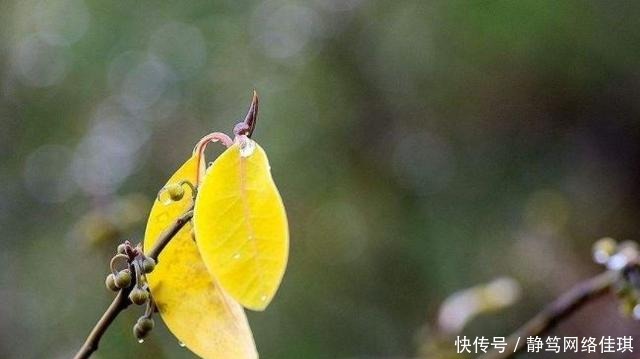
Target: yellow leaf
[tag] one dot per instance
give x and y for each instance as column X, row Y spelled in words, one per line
column 194, row 308
column 241, row 226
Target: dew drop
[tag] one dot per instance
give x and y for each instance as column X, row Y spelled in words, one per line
column 181, row 344
column 236, row 256
column 247, row 147
column 140, row 341
column 263, row 298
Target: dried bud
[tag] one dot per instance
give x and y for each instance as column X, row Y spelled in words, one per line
column 148, row 264
column 138, row 296
column 110, row 282
column 123, row 278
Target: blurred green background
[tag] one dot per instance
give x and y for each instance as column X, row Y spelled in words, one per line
column 421, row 147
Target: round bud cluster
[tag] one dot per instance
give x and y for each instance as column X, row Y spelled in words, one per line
column 615, row 256
column 133, row 277
column 623, row 258
column 127, row 249
column 142, row 328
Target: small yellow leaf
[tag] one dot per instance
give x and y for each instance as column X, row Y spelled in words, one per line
column 194, row 308
column 241, row 225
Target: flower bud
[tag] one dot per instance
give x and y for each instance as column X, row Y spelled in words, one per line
column 175, row 191
column 148, row 264
column 122, row 249
column 123, row 278
column 603, row 249
column 138, row 296
column 145, row 323
column 110, row 282
column 139, row 332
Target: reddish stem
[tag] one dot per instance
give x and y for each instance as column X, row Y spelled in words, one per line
column 247, row 126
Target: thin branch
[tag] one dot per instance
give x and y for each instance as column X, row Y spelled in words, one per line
column 166, row 237
column 554, row 312
column 121, row 301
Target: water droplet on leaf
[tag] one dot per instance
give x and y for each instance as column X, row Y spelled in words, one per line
column 181, row 344
column 247, row 147
column 236, row 256
column 140, row 341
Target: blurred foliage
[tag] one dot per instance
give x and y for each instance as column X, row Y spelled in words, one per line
column 420, row 147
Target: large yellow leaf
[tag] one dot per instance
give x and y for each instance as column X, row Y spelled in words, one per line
column 194, row 308
column 241, row 226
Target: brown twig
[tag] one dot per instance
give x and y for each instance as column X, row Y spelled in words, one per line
column 166, row 237
column 247, row 126
column 554, row 312
column 121, row 301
